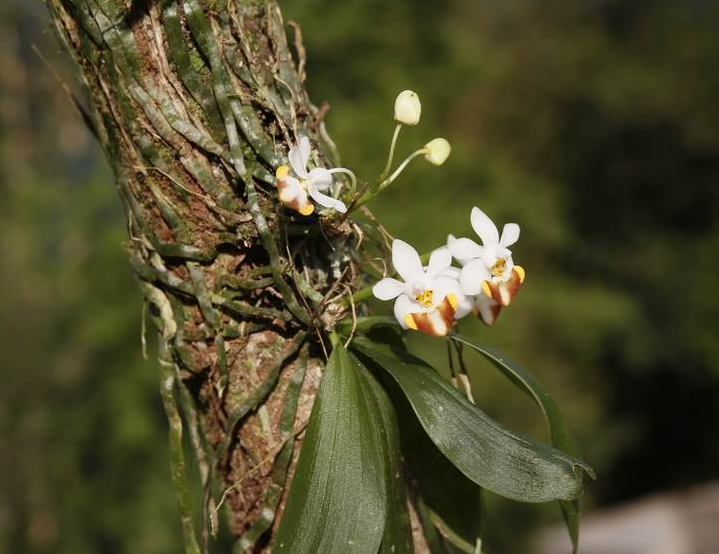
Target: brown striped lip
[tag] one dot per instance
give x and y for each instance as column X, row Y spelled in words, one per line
column 488, row 311
column 437, row 322
column 305, row 208
column 504, row 292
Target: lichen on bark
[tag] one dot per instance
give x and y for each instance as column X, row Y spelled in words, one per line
column 195, row 103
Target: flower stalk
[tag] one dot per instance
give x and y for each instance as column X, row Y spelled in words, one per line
column 390, row 158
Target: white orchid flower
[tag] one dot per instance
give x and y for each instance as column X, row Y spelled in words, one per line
column 489, row 268
column 426, row 299
column 295, row 190
column 485, row 308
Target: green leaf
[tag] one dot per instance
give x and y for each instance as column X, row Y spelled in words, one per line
column 558, row 431
column 438, row 482
column 337, row 500
column 486, row 452
column 397, row 537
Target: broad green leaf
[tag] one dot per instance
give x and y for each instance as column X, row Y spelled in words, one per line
column 558, row 431
column 338, row 496
column 439, row 483
column 486, row 452
column 397, row 537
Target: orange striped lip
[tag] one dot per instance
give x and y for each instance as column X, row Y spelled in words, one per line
column 437, row 322
column 489, row 312
column 293, row 202
column 505, row 291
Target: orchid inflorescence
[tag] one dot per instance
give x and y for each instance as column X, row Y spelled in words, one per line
column 430, row 299
column 298, row 187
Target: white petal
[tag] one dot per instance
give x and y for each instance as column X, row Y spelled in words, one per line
column 299, row 156
column 491, row 255
column 472, row 276
column 321, row 178
column 444, row 285
column 326, row 201
column 295, row 158
column 388, row 288
column 340, row 206
column 502, row 252
column 439, row 261
column 441, row 286
column 406, row 261
column 403, row 306
column 508, row 266
column 484, row 227
column 464, row 249
column 452, row 272
column 305, row 150
column 464, row 306
column 510, row 234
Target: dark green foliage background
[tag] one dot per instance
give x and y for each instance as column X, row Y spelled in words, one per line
column 593, row 124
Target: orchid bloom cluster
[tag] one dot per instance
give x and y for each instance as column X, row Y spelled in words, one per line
column 430, row 299
column 300, row 188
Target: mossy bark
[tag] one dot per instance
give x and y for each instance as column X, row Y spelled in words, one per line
column 195, row 103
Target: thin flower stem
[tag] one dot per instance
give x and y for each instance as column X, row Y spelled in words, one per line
column 450, row 359
column 463, row 374
column 354, row 317
column 384, row 184
column 391, row 151
column 374, row 191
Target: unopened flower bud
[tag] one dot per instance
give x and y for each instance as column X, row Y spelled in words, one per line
column 407, row 108
column 437, row 151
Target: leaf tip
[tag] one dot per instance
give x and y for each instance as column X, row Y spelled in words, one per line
column 580, row 465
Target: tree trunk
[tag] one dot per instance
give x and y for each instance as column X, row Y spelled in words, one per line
column 195, row 103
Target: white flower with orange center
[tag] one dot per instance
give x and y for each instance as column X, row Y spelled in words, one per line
column 489, row 268
column 295, row 191
column 426, row 300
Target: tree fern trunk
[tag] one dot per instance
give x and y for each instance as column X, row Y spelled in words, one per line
column 195, row 103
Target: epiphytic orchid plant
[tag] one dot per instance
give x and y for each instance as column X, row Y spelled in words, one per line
column 349, row 493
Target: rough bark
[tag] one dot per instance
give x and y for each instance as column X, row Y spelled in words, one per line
column 195, row 103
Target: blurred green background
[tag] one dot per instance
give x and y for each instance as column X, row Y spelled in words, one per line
column 593, row 124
